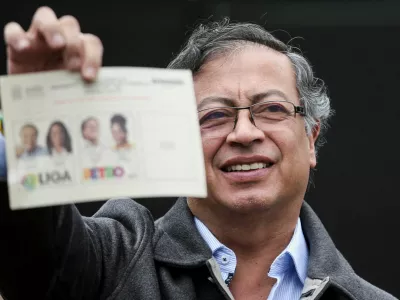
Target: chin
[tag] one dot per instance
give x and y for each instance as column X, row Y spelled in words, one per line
column 249, row 202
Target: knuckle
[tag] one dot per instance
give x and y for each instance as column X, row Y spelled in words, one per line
column 12, row 31
column 44, row 10
column 94, row 42
column 69, row 21
column 94, row 39
column 44, row 15
column 11, row 27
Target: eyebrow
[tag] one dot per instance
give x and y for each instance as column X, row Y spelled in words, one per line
column 220, row 100
column 230, row 102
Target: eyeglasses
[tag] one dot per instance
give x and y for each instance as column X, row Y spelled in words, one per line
column 220, row 121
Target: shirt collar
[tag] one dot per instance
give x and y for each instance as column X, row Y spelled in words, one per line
column 89, row 144
column 206, row 234
column 295, row 254
column 33, row 151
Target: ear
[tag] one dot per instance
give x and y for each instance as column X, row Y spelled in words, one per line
column 312, row 138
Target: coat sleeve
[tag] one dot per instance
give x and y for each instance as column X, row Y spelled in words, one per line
column 45, row 252
column 55, row 253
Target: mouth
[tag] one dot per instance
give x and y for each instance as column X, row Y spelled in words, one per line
column 247, row 164
column 246, row 167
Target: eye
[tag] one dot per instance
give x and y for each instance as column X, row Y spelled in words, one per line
column 272, row 109
column 275, row 108
column 216, row 115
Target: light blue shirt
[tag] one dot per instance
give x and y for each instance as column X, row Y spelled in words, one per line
column 38, row 151
column 289, row 268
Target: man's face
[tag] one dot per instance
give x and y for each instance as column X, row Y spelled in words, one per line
column 29, row 138
column 91, row 131
column 240, row 76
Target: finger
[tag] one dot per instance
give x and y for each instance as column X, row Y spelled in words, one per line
column 92, row 56
column 45, row 23
column 15, row 37
column 74, row 44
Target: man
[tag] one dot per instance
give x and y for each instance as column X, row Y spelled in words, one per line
column 90, row 131
column 253, row 237
column 93, row 149
column 30, row 148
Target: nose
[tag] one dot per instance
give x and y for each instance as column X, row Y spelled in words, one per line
column 245, row 132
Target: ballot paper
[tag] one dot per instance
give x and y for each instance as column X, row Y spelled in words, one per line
column 134, row 132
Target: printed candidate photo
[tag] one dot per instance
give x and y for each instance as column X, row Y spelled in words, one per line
column 94, row 150
column 29, row 146
column 123, row 146
column 58, row 141
column 120, row 133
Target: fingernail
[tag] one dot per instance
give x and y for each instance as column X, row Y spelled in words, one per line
column 74, row 63
column 22, row 44
column 90, row 72
column 58, row 40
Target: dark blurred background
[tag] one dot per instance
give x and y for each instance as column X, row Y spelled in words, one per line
column 354, row 47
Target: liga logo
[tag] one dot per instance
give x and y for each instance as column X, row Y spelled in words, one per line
column 29, row 181
column 32, row 181
column 103, row 173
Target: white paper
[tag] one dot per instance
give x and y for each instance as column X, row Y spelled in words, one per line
column 153, row 149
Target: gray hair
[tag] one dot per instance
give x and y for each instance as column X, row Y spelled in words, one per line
column 218, row 38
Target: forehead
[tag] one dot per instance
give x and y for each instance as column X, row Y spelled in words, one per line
column 91, row 122
column 250, row 70
column 56, row 127
column 28, row 130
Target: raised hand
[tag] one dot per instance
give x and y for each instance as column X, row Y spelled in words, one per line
column 52, row 43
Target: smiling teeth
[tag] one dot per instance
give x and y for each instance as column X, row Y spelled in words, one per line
column 247, row 167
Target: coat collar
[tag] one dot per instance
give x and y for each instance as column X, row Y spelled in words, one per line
column 177, row 241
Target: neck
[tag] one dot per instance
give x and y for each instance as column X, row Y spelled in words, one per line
column 93, row 142
column 31, row 150
column 260, row 233
column 58, row 148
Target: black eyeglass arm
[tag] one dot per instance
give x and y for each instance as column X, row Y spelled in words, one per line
column 300, row 110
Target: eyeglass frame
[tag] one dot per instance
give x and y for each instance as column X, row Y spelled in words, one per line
column 297, row 110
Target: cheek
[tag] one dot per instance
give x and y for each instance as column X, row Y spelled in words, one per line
column 292, row 144
column 211, row 148
column 295, row 152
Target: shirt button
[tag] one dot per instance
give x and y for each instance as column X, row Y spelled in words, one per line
column 225, row 260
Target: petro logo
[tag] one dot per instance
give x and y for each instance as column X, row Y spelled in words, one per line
column 103, row 173
column 30, row 181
